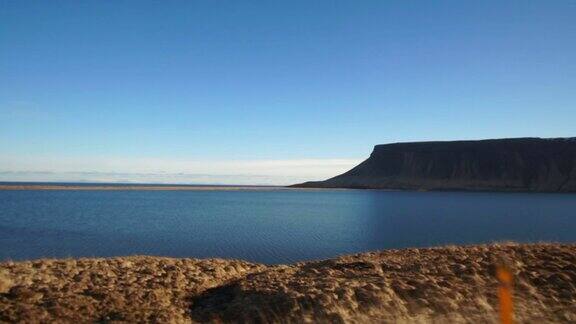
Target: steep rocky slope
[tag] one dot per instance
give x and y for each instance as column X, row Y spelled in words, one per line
column 449, row 284
column 517, row 164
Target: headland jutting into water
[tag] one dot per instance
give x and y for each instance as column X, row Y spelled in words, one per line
column 513, row 164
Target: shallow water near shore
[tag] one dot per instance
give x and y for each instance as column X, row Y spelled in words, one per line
column 269, row 226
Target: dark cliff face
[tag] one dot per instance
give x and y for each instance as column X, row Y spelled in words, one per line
column 519, row 164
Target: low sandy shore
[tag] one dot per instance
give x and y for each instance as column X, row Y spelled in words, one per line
column 134, row 187
column 448, row 284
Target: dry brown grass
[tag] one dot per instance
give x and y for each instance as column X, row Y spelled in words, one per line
column 132, row 289
column 449, row 284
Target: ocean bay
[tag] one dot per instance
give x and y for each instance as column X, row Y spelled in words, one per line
column 269, row 225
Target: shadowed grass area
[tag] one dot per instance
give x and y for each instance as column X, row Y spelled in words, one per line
column 455, row 284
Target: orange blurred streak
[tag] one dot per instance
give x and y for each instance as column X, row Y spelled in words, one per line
column 505, row 295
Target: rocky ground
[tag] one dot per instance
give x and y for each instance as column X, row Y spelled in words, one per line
column 448, row 284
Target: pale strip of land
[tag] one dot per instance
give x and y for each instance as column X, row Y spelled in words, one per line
column 136, row 187
column 439, row 285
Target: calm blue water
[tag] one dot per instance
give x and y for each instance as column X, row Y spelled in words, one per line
column 270, row 226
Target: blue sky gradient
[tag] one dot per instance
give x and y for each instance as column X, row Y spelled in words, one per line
column 220, row 88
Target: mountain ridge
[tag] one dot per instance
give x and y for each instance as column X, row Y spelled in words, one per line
column 529, row 164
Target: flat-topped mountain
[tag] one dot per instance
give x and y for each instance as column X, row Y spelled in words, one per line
column 514, row 164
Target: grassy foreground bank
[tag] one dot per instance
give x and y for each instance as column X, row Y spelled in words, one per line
column 447, row 284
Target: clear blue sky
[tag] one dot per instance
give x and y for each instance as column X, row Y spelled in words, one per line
column 164, row 86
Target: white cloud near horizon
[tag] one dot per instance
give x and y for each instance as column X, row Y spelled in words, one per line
column 177, row 171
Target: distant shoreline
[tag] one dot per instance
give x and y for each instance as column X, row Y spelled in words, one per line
column 5, row 186
column 133, row 187
column 87, row 186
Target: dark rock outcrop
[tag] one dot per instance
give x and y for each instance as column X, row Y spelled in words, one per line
column 516, row 164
